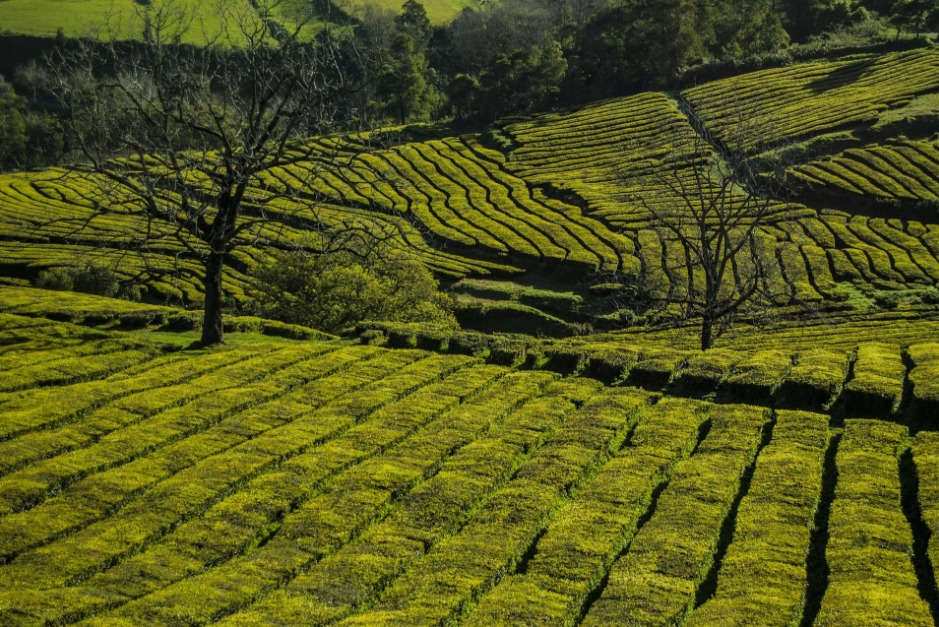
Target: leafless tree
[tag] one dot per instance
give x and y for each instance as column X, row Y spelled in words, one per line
column 709, row 210
column 183, row 135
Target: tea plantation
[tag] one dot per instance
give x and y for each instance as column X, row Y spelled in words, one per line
column 570, row 193
column 410, row 475
column 320, row 481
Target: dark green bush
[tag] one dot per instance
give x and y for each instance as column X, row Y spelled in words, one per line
column 90, row 279
column 59, row 279
column 93, row 279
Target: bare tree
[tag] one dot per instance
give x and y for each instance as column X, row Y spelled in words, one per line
column 709, row 211
column 183, row 135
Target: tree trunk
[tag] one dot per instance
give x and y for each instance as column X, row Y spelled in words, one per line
column 707, row 331
column 212, row 330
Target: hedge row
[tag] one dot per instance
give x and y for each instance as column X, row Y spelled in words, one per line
column 871, row 579
column 772, row 530
column 656, row 581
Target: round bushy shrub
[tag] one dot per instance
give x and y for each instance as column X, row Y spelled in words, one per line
column 59, row 279
column 334, row 292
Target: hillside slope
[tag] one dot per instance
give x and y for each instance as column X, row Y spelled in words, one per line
column 567, row 195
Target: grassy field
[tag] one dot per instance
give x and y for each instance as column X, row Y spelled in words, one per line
column 321, row 482
column 118, row 18
column 98, row 18
column 438, row 11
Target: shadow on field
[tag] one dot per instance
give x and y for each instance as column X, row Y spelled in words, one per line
column 842, row 76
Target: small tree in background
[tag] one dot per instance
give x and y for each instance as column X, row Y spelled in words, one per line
column 916, row 15
column 405, row 89
column 14, row 141
column 405, row 92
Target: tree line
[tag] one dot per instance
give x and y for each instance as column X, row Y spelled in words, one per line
column 520, row 56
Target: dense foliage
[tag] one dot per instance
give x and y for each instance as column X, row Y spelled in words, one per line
column 520, row 56
column 333, row 292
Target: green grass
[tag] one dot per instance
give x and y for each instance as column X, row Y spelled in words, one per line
column 122, row 19
column 96, row 18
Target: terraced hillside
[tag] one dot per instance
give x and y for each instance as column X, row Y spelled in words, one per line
column 907, row 170
column 323, row 482
column 51, row 220
column 811, row 99
column 569, row 194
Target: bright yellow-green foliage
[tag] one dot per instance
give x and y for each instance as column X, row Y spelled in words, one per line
column 926, row 464
column 834, row 331
column 871, row 579
column 626, row 156
column 909, row 170
column 570, row 189
column 623, row 157
column 877, row 386
column 590, row 532
column 924, row 376
column 107, row 312
column 438, row 11
column 606, row 153
column 762, row 579
column 707, row 369
column 759, row 374
column 103, row 18
column 55, row 354
column 812, row 98
column 37, row 207
column 464, row 192
column 655, row 582
column 321, row 482
column 100, row 18
column 816, row 378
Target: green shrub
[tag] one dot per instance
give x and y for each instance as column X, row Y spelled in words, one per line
column 375, row 337
column 182, row 322
column 930, row 296
column 93, row 279
column 90, row 279
column 334, row 292
column 131, row 292
column 59, row 279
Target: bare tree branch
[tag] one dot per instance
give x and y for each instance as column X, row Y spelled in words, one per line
column 185, row 135
column 719, row 203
